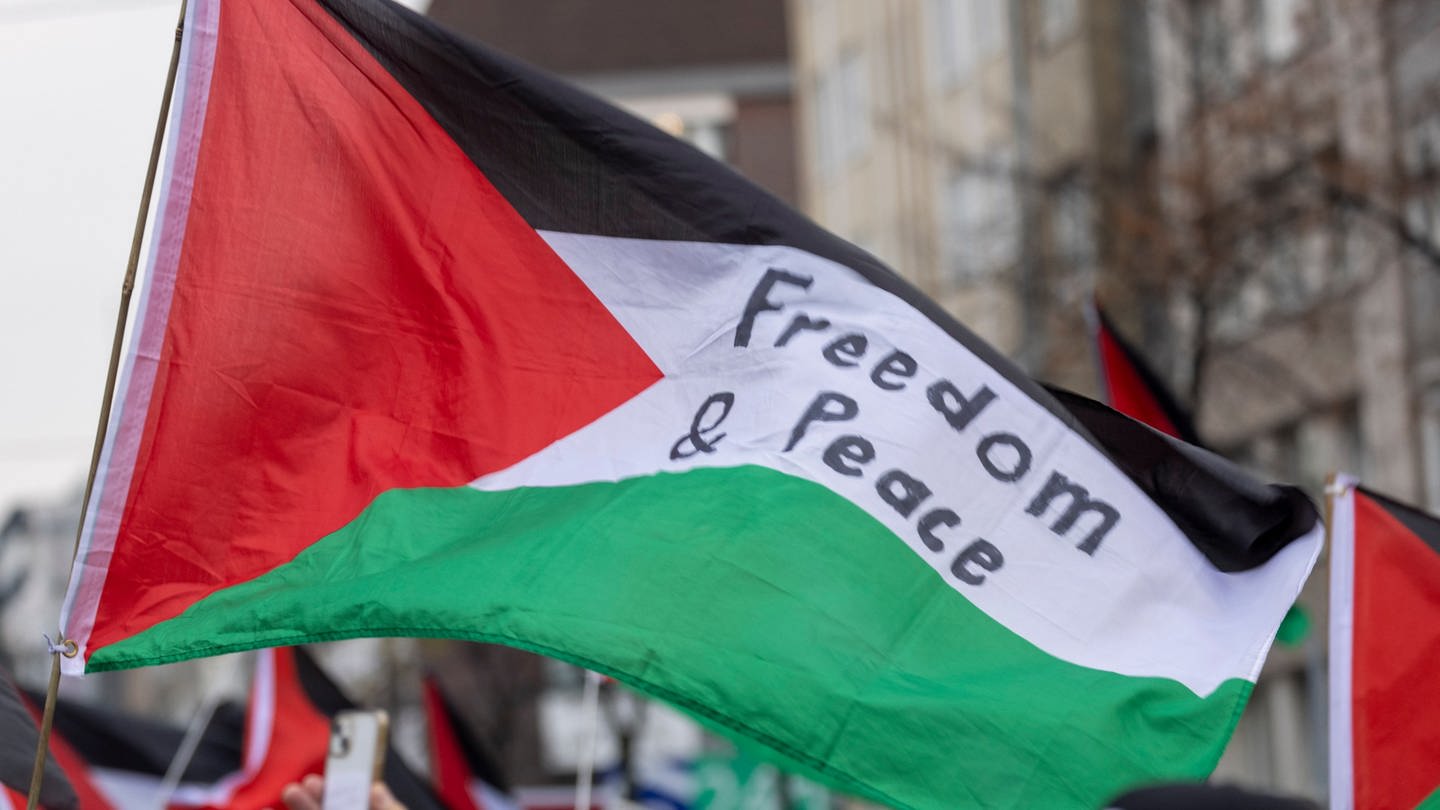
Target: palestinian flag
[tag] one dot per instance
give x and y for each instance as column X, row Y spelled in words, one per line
column 1131, row 386
column 433, row 344
column 124, row 757
column 87, row 792
column 462, row 774
column 1384, row 645
column 286, row 737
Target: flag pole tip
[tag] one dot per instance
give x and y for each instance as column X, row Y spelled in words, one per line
column 67, row 647
column 1337, row 484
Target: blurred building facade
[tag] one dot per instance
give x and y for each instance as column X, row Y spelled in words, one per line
column 1250, row 187
column 1295, row 175
column 37, row 539
column 716, row 74
column 977, row 145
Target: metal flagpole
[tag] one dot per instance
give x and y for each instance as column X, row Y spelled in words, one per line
column 65, row 646
column 590, row 707
column 186, row 752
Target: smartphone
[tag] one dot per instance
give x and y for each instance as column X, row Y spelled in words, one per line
column 355, row 760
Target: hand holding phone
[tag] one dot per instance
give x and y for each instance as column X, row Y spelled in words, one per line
column 305, row 795
column 355, row 760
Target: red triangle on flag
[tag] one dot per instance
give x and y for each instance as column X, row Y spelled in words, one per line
column 286, row 738
column 359, row 302
column 1396, row 644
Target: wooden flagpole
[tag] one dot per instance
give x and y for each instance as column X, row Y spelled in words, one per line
column 189, row 744
column 585, row 772
column 64, row 646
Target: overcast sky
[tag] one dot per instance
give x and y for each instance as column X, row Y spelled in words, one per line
column 80, row 85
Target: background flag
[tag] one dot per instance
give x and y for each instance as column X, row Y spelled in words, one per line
column 125, row 757
column 19, row 737
column 1384, row 645
column 463, row 776
column 1131, row 386
column 87, row 790
column 287, row 734
column 448, row 348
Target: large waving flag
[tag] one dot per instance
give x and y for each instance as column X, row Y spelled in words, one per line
column 436, row 345
column 1384, row 645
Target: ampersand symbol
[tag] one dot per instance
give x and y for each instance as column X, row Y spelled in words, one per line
column 696, row 441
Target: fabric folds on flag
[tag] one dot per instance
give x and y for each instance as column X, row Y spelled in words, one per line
column 1384, row 642
column 433, row 344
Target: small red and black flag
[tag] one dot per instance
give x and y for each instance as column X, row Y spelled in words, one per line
column 464, row 775
column 1132, row 387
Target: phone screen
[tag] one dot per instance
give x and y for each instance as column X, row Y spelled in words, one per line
column 357, row 749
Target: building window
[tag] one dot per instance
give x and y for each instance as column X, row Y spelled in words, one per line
column 1430, row 445
column 1057, row 20
column 1327, row 442
column 842, row 127
column 1284, row 267
column 1306, row 451
column 948, row 56
column 1420, row 159
column 563, row 676
column 1280, row 28
column 981, row 219
column 823, row 25
column 702, row 119
column 963, row 34
column 1213, row 60
column 1072, row 226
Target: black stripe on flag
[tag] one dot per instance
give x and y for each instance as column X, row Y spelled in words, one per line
column 482, row 763
column 1419, row 522
column 1237, row 522
column 122, row 741
column 567, row 161
column 570, row 162
column 19, row 739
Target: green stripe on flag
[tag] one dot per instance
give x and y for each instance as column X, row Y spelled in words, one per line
column 761, row 603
